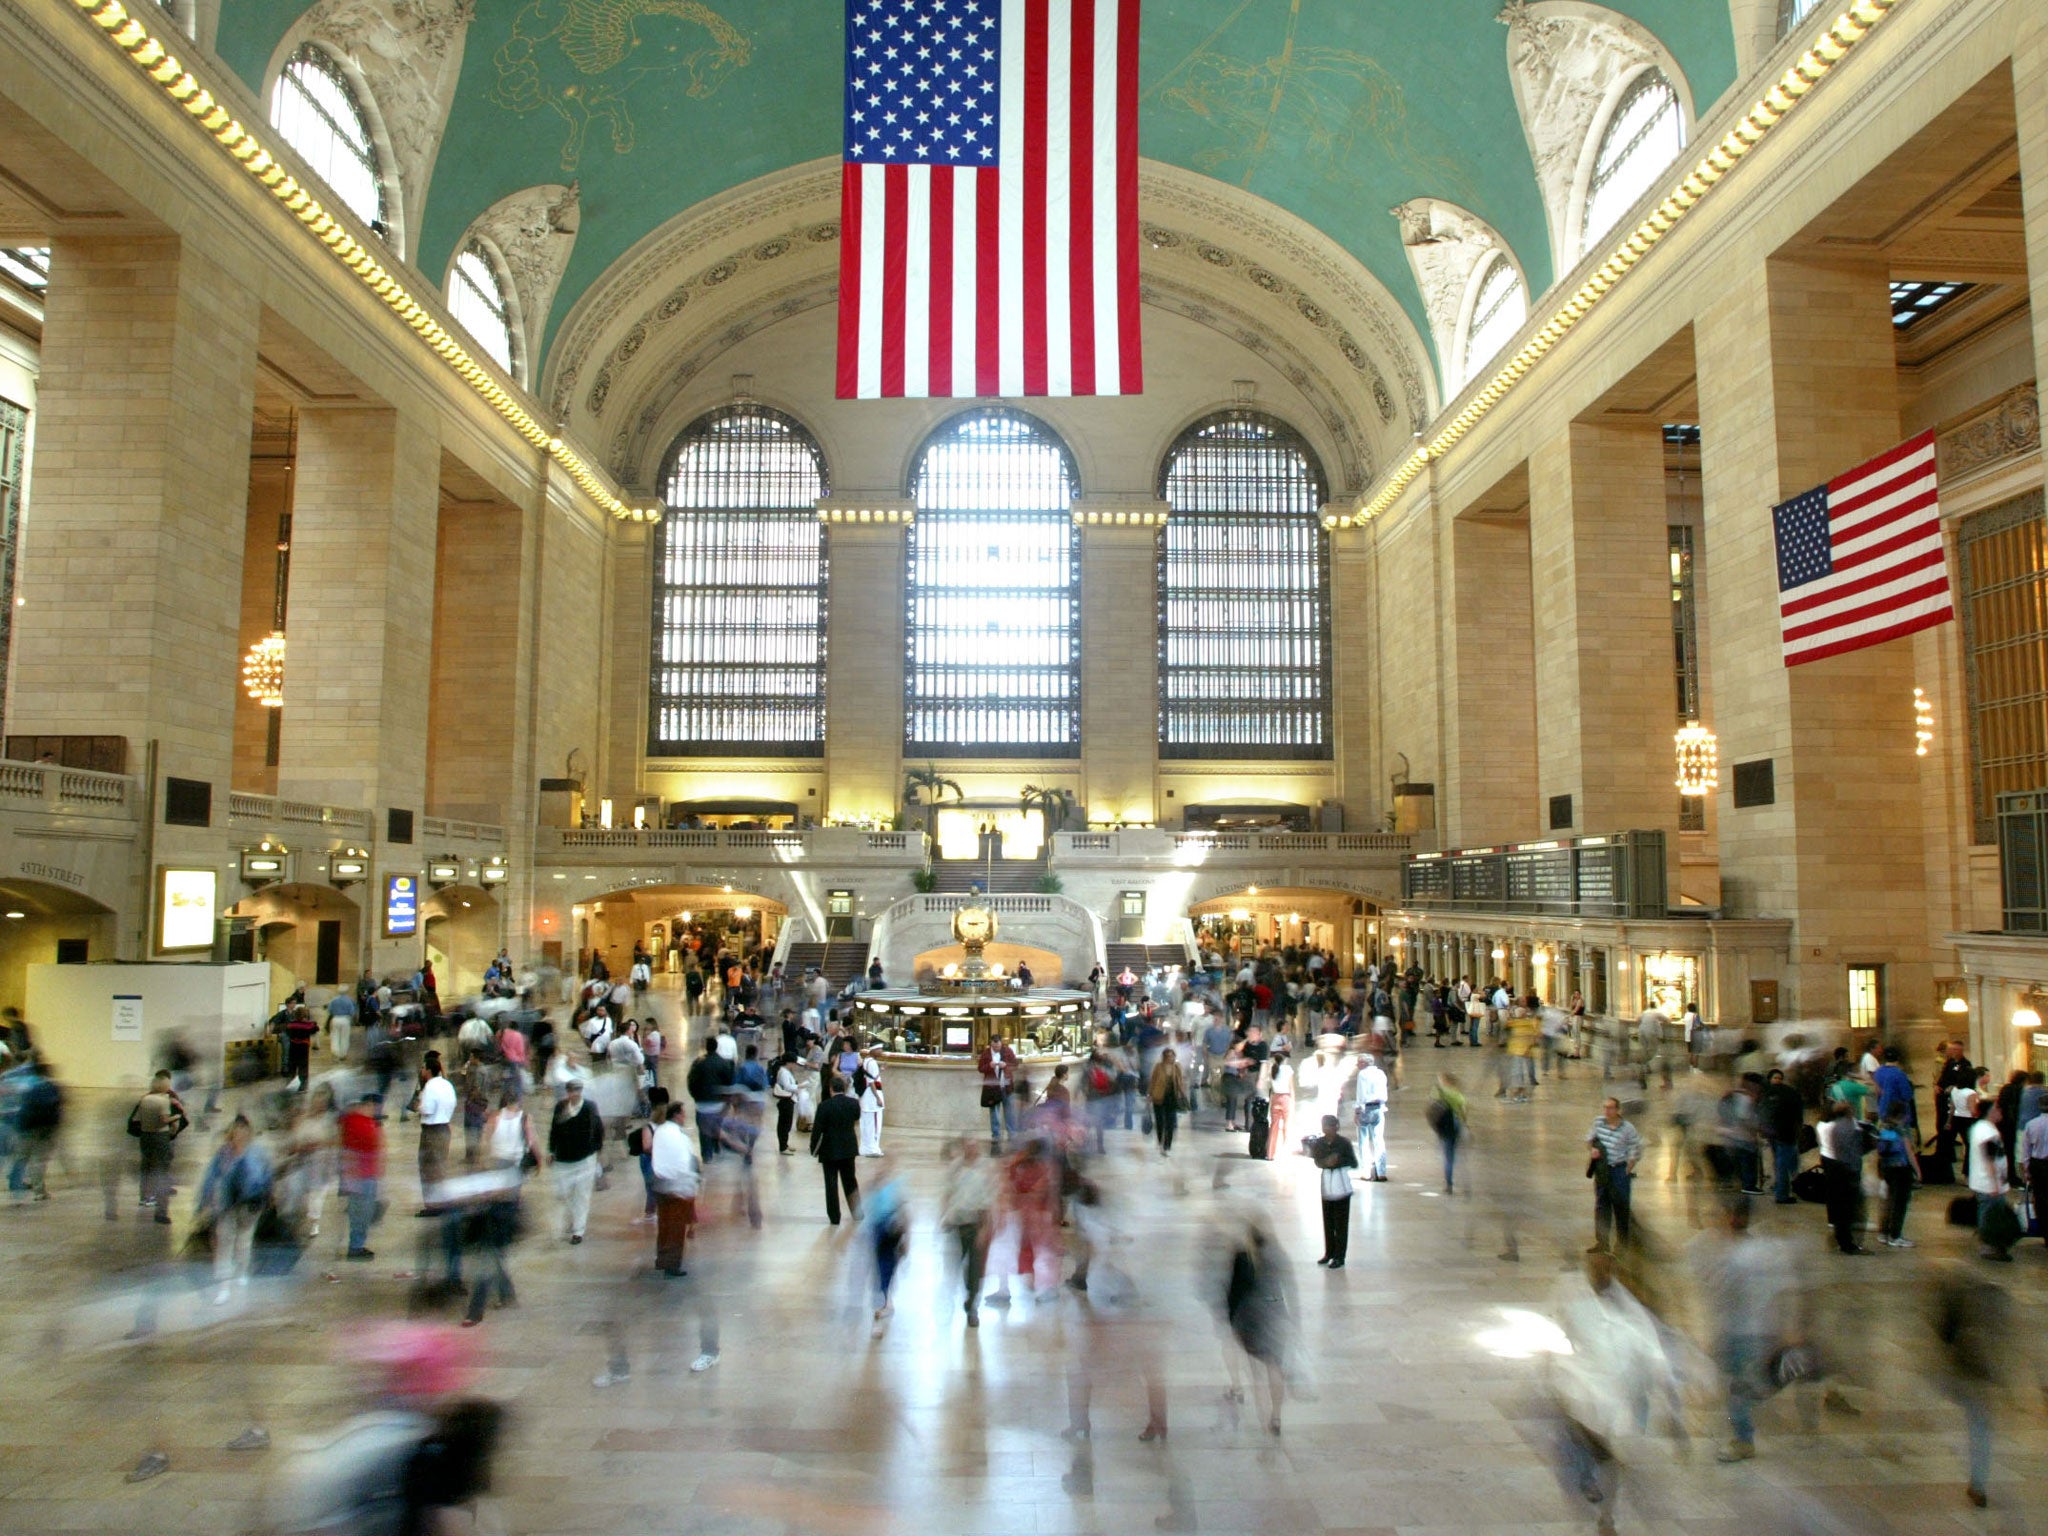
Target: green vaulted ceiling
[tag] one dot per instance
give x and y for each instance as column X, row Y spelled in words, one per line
column 1336, row 110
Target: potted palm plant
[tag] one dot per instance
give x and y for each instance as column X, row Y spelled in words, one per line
column 927, row 786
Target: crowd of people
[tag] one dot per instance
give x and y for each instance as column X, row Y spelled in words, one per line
column 1280, row 1061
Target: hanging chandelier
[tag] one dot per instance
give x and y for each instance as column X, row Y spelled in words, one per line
column 263, row 670
column 1699, row 758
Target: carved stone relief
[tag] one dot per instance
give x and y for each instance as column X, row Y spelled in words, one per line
column 410, row 54
column 1445, row 246
column 534, row 231
column 2010, row 428
column 1565, row 60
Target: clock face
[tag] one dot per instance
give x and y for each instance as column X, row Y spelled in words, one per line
column 973, row 925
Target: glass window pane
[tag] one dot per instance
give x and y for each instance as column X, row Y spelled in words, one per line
column 1244, row 576
column 739, row 592
column 1497, row 313
column 476, row 298
column 2002, row 569
column 1642, row 138
column 316, row 110
column 994, row 624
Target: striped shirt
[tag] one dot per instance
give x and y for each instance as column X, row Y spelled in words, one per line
column 1621, row 1144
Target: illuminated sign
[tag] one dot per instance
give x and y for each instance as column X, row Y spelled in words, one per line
column 401, row 905
column 186, row 903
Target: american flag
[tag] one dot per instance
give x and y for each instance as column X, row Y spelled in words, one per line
column 1860, row 558
column 989, row 199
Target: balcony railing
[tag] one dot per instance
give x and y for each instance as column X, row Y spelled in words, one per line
column 247, row 810
column 68, row 791
column 816, row 844
column 1148, row 843
column 443, row 829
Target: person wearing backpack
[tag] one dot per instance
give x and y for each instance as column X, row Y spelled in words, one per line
column 1899, row 1166
column 38, row 1111
column 157, row 1119
column 231, row 1196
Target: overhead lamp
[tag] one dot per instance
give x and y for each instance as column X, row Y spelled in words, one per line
column 743, row 913
column 348, row 866
column 1498, row 952
column 1923, row 722
column 263, row 865
column 1955, row 1004
column 444, row 871
column 15, row 916
column 1699, row 771
column 496, row 871
column 263, row 671
column 2026, row 1018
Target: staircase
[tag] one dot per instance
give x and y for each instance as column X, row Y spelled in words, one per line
column 840, row 961
column 1139, row 956
column 1006, row 877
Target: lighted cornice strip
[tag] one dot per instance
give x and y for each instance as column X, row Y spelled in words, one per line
column 148, row 54
column 1807, row 71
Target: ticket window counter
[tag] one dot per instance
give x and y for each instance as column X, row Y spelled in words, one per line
column 1670, row 981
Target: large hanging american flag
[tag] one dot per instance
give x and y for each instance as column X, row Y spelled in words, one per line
column 1860, row 559
column 989, row 199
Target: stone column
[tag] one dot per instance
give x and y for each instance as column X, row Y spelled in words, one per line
column 477, row 709
column 1606, row 700
column 1353, row 628
column 864, row 656
column 1489, row 714
column 1797, row 383
column 1120, row 699
column 2030, row 102
column 132, row 562
column 360, row 653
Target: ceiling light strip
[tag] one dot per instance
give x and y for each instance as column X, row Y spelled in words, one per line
column 148, row 54
column 1805, row 72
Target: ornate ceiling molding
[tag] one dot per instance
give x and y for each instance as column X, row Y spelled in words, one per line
column 409, row 53
column 1296, row 285
column 1566, row 60
column 1446, row 245
column 533, row 232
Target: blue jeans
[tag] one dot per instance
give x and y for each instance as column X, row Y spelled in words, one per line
column 1742, row 1362
column 1002, row 1117
column 1610, row 1205
column 1450, row 1145
column 362, row 1210
column 1784, row 1164
column 1970, row 1397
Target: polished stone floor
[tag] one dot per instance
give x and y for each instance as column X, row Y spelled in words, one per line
column 1413, row 1411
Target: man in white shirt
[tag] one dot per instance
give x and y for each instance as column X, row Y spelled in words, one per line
column 1986, row 1163
column 1372, row 1121
column 677, row 1175
column 437, row 1111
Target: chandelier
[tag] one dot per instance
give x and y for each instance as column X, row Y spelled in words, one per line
column 263, row 670
column 1699, row 754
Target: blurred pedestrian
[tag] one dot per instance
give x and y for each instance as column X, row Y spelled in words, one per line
column 156, row 1122
column 1167, row 1092
column 575, row 1145
column 678, row 1173
column 1335, row 1157
column 360, row 1133
column 232, row 1195
column 1973, row 1320
column 835, row 1143
column 1445, row 1113
column 1371, row 1115
column 1617, row 1148
column 965, row 1212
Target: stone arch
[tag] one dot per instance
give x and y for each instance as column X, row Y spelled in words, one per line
column 530, row 235
column 1569, row 63
column 1450, row 249
column 404, row 57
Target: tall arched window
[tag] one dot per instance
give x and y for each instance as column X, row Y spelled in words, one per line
column 1244, row 584
column 1644, row 134
column 316, row 110
column 994, row 664
column 477, row 299
column 739, row 592
column 1499, row 306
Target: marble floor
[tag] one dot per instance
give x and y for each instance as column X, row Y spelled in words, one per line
column 1415, row 1407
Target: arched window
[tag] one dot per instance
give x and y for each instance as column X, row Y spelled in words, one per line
column 739, row 592
column 994, row 665
column 1499, row 306
column 316, row 110
column 1644, row 134
column 476, row 297
column 1244, row 584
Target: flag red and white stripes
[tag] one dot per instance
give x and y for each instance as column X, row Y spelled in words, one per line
column 1860, row 560
column 989, row 200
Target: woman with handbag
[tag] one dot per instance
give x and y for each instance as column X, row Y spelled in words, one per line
column 510, row 1147
column 1168, row 1091
column 1335, row 1157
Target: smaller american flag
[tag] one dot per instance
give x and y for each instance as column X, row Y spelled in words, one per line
column 1860, row 559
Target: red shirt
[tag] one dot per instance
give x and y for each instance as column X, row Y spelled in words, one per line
column 513, row 1044
column 362, row 1145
